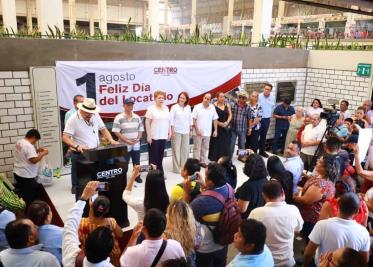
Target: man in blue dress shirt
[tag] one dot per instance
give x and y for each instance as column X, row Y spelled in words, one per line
column 268, row 102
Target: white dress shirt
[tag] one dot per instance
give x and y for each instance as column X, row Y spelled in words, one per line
column 70, row 239
column 295, row 165
column 334, row 233
column 160, row 122
column 181, row 118
column 142, row 255
column 281, row 221
column 311, row 133
column 30, row 256
column 204, row 118
column 134, row 202
column 82, row 132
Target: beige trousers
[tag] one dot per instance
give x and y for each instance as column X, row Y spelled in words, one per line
column 201, row 148
column 180, row 151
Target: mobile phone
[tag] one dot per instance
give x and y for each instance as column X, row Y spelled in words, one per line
column 242, row 152
column 193, row 177
column 145, row 168
column 103, row 186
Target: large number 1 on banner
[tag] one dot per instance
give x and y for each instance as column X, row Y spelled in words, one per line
column 90, row 84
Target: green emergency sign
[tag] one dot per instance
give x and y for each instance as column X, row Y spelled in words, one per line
column 364, row 70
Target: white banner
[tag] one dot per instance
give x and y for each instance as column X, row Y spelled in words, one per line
column 110, row 82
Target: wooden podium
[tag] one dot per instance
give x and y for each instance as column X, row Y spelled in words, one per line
column 100, row 164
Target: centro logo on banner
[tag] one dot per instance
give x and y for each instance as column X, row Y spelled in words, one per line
column 109, row 173
column 165, row 70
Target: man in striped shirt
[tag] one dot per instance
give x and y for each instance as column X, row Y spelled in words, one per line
column 128, row 127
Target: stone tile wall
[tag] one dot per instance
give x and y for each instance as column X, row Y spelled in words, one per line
column 16, row 114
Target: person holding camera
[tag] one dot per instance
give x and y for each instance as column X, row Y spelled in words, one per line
column 155, row 193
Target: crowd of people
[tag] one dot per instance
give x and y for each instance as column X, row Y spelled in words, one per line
column 313, row 187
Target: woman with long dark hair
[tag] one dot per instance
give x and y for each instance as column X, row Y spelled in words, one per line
column 277, row 171
column 155, row 193
column 218, row 146
column 249, row 195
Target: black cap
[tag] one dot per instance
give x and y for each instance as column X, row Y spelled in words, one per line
column 128, row 101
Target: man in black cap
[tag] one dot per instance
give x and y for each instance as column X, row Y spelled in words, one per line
column 128, row 127
column 282, row 114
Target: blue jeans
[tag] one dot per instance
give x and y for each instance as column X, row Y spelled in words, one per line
column 135, row 156
column 279, row 139
column 241, row 140
column 264, row 125
column 74, row 159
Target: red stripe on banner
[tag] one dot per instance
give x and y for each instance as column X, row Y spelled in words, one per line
column 225, row 87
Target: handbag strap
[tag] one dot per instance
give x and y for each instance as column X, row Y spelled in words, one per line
column 159, row 254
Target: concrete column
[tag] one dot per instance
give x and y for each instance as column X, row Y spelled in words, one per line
column 91, row 15
column 165, row 25
column 321, row 25
column 102, row 13
column 72, row 15
column 194, row 16
column 144, row 18
column 298, row 28
column 29, row 15
column 153, row 24
column 46, row 17
column 262, row 20
column 281, row 9
column 350, row 27
column 8, row 8
column 230, row 16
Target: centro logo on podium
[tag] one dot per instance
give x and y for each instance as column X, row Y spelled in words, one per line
column 109, row 173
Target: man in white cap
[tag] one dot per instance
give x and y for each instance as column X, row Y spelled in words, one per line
column 82, row 132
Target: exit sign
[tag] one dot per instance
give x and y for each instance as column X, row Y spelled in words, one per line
column 364, row 69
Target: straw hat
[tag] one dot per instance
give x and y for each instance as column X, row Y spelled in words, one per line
column 89, row 105
column 242, row 93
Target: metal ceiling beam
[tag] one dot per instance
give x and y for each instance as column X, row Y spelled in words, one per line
column 329, row 6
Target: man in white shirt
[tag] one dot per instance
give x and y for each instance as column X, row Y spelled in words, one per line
column 294, row 163
column 26, row 165
column 82, row 132
column 22, row 236
column 281, row 221
column 343, row 109
column 154, row 249
column 99, row 243
column 204, row 115
column 128, row 127
column 311, row 138
column 338, row 232
column 267, row 101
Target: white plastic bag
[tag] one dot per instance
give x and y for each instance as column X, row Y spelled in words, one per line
column 45, row 173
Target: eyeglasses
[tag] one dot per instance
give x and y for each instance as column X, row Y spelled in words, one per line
column 242, row 97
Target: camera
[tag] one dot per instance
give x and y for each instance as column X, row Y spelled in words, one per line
column 331, row 116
